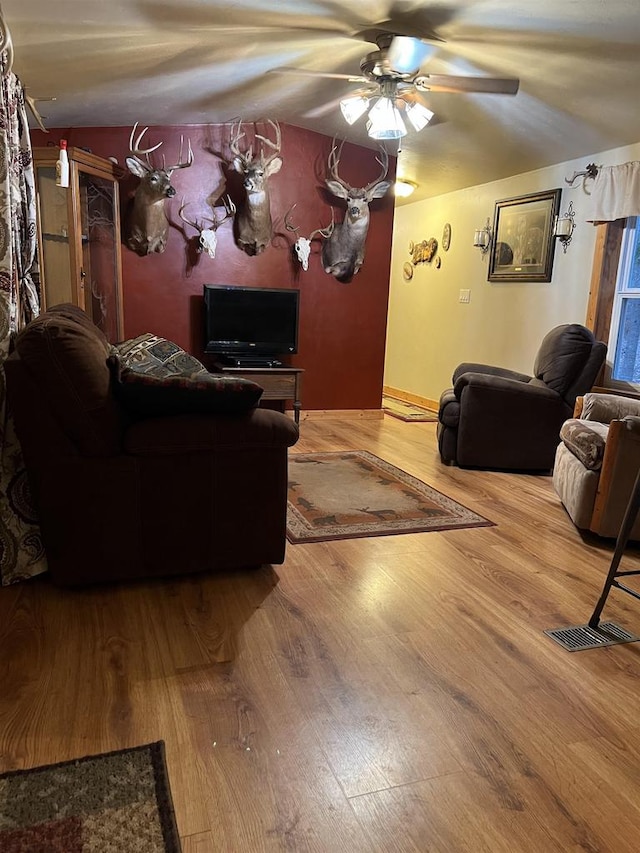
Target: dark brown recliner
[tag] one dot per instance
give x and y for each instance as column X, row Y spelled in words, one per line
column 121, row 497
column 497, row 418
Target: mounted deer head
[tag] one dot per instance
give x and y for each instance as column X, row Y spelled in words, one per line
column 302, row 246
column 207, row 239
column 254, row 224
column 343, row 250
column 147, row 225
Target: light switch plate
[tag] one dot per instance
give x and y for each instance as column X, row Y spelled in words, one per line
column 465, row 296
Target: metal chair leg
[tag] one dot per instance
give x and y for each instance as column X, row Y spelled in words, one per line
column 621, row 543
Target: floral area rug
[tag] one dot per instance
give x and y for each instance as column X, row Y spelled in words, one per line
column 352, row 494
column 406, row 411
column 115, row 801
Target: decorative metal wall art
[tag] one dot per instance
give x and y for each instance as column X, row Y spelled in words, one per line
column 424, row 251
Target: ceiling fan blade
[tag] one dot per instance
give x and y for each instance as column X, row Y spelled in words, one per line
column 405, row 55
column 323, row 109
column 190, row 14
column 452, row 83
column 384, row 29
column 303, row 72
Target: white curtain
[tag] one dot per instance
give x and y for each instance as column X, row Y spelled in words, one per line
column 21, row 551
column 615, row 193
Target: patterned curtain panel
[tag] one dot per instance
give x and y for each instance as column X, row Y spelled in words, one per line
column 21, row 551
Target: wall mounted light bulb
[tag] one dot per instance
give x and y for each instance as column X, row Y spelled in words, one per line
column 482, row 238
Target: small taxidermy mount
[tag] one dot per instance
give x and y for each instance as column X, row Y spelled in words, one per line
column 207, row 239
column 302, row 246
column 146, row 225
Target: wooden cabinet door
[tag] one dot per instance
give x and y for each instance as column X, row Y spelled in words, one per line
column 79, row 237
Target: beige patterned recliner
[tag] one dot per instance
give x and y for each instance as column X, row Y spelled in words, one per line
column 597, row 462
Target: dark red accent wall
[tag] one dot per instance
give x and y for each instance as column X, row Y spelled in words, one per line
column 342, row 326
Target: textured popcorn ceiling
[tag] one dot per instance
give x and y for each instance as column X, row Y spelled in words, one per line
column 207, row 61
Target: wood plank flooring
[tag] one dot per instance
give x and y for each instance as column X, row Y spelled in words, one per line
column 386, row 694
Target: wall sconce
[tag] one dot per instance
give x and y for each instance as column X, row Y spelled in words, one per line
column 564, row 226
column 482, row 238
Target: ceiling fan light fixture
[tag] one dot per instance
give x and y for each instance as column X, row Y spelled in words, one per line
column 385, row 121
column 418, row 115
column 353, row 108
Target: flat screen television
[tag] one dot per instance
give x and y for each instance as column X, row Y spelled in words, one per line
column 250, row 324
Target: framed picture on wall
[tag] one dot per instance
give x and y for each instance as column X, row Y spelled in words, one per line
column 523, row 243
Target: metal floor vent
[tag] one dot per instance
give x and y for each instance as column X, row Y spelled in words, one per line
column 580, row 637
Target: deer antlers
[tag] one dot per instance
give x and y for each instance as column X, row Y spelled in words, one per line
column 384, row 162
column 288, row 224
column 343, row 250
column 215, row 223
column 254, row 223
column 207, row 239
column 333, row 162
column 136, row 151
column 247, row 156
column 147, row 225
column 274, row 145
column 6, row 46
column 302, row 246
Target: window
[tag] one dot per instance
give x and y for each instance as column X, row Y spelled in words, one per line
column 623, row 363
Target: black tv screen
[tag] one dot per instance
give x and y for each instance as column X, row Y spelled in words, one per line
column 250, row 321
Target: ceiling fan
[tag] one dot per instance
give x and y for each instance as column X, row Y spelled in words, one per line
column 392, row 76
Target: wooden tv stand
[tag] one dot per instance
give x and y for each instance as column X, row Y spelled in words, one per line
column 279, row 383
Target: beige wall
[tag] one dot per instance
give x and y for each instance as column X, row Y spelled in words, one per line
column 430, row 331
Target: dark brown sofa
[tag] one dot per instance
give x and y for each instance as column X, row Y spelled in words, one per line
column 124, row 496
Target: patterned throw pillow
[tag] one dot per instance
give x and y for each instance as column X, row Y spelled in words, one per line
column 179, row 394
column 157, row 356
